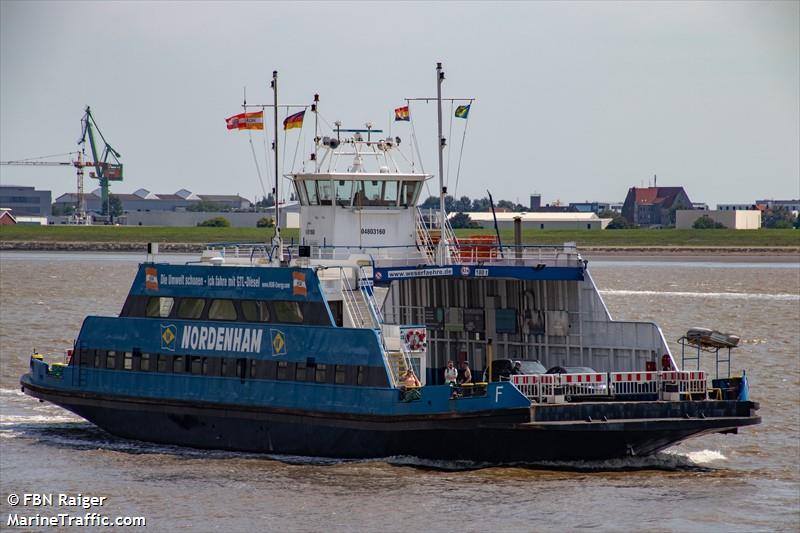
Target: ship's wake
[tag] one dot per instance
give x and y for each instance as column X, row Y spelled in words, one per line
column 670, row 461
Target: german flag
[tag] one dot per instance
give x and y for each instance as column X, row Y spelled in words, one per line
column 294, row 121
column 246, row 121
column 401, row 113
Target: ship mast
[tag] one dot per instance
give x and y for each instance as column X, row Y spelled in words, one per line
column 275, row 146
column 442, row 191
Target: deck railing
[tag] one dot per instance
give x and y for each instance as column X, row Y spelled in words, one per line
column 606, row 386
column 462, row 253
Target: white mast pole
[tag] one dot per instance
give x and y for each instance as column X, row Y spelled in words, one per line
column 277, row 175
column 315, row 108
column 442, row 191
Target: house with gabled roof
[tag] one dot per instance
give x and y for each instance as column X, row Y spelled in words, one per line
column 654, row 206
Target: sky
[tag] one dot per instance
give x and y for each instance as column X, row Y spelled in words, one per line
column 574, row 101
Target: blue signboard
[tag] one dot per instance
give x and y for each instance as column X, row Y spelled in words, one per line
column 386, row 275
column 268, row 283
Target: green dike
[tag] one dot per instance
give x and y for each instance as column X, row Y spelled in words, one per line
column 763, row 238
column 137, row 234
column 706, row 238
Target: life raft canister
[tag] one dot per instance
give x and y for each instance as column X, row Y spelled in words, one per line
column 415, row 339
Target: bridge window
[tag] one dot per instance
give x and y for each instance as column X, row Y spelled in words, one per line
column 371, row 191
column 177, row 364
column 159, row 307
column 222, row 310
column 311, row 191
column 163, row 363
column 325, row 192
column 255, row 311
column 390, row 192
column 111, row 359
column 376, row 193
column 144, row 362
column 344, row 193
column 191, row 308
column 408, row 194
column 197, row 365
column 127, row 361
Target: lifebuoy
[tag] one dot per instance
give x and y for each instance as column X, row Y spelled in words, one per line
column 415, row 340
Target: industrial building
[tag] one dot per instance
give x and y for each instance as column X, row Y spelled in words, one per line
column 736, row 207
column 735, row 219
column 289, row 213
column 792, row 206
column 144, row 200
column 23, row 200
column 541, row 221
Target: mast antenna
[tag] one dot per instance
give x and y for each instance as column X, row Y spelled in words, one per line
column 275, row 146
column 442, row 190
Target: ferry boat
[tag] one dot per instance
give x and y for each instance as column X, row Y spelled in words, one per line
column 305, row 348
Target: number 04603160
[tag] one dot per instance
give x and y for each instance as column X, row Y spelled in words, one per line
column 373, row 231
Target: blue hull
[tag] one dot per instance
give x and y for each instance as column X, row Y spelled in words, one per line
column 508, row 437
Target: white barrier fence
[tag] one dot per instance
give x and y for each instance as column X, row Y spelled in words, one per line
column 554, row 388
column 630, row 383
column 536, row 386
column 584, row 385
column 691, row 382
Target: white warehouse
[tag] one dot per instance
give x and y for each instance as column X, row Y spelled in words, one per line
column 541, row 221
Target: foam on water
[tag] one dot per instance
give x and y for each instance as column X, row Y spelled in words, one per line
column 12, row 420
column 702, row 456
column 12, row 392
column 712, row 295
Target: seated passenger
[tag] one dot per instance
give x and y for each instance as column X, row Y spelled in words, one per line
column 410, row 379
column 450, row 374
column 466, row 374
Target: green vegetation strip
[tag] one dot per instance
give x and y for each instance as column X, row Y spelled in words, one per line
column 614, row 238
column 766, row 238
column 123, row 234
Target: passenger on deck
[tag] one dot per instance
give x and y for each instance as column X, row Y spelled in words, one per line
column 517, row 370
column 466, row 374
column 450, row 374
column 410, row 379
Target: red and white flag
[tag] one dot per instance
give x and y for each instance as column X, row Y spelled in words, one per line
column 299, row 284
column 246, row 121
column 151, row 279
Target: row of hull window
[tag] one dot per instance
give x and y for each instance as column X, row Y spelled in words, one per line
column 270, row 311
column 243, row 368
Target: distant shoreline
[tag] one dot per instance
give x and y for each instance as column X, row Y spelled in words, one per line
column 782, row 253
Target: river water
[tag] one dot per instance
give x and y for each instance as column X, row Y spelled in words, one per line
column 745, row 482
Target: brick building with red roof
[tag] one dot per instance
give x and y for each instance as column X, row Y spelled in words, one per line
column 652, row 206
